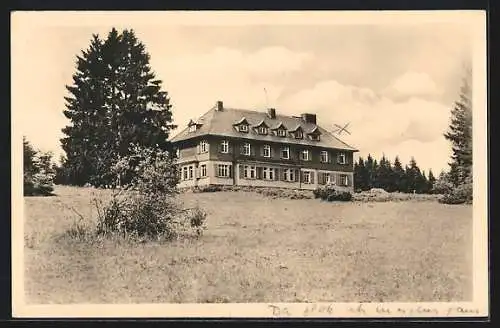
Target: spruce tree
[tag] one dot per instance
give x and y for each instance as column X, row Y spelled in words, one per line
column 370, row 166
column 398, row 180
column 115, row 101
column 384, row 174
column 359, row 174
column 430, row 181
column 460, row 134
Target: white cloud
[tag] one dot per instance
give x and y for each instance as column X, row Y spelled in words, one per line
column 196, row 81
column 413, row 84
column 378, row 124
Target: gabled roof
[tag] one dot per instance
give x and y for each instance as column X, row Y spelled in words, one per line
column 298, row 127
column 315, row 130
column 241, row 121
column 221, row 123
column 279, row 125
column 261, row 123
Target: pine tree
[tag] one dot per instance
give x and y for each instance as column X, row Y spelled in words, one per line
column 360, row 175
column 460, row 134
column 115, row 102
column 384, row 174
column 430, row 181
column 370, row 166
column 413, row 176
column 398, row 180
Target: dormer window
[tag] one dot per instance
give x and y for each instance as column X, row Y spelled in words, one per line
column 241, row 125
column 299, row 135
column 314, row 134
column 262, row 130
column 281, row 133
column 193, row 126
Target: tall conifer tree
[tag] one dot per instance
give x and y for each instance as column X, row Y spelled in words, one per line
column 115, row 100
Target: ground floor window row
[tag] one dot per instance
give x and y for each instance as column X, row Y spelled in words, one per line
column 189, row 172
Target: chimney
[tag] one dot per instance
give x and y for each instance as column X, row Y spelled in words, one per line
column 219, row 106
column 271, row 112
column 309, row 118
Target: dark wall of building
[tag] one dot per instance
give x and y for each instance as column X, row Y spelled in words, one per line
column 235, row 153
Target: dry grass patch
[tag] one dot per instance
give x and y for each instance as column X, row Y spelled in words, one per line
column 256, row 249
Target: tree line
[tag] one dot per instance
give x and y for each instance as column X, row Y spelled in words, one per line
column 370, row 173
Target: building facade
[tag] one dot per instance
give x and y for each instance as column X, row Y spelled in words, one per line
column 236, row 147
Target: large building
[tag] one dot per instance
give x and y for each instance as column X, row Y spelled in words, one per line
column 228, row 146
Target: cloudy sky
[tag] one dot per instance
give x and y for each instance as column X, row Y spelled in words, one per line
column 394, row 83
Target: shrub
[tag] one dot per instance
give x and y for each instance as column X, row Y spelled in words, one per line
column 459, row 195
column 442, row 186
column 329, row 193
column 145, row 208
column 38, row 173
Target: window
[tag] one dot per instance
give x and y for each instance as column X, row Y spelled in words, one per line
column 243, row 128
column 265, row 173
column 192, row 128
column 299, row 135
column 323, row 156
column 178, row 153
column 291, row 175
column 307, row 176
column 267, row 151
column 203, row 146
column 246, row 149
column 203, row 170
column 262, row 130
column 341, row 158
column 249, row 172
column 185, row 172
column 281, row 132
column 285, row 174
column 285, row 153
column 315, row 137
column 304, row 155
column 224, row 170
column 224, row 147
column 190, row 172
column 271, row 174
column 344, row 181
column 328, row 178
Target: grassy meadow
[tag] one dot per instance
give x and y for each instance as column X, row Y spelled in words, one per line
column 255, row 249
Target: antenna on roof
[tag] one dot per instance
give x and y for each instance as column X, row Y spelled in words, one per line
column 267, row 100
column 339, row 129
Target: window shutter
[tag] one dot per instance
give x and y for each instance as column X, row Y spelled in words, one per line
column 262, row 151
column 230, row 171
column 198, row 150
column 321, row 178
column 252, row 150
column 297, row 175
column 329, row 157
column 312, row 176
column 276, row 174
column 241, row 149
column 197, row 172
column 220, row 147
column 229, row 147
column 259, row 172
column 301, row 176
column 241, row 170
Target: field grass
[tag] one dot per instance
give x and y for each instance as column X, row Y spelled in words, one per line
column 256, row 249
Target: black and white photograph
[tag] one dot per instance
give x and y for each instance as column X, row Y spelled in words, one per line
column 249, row 164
